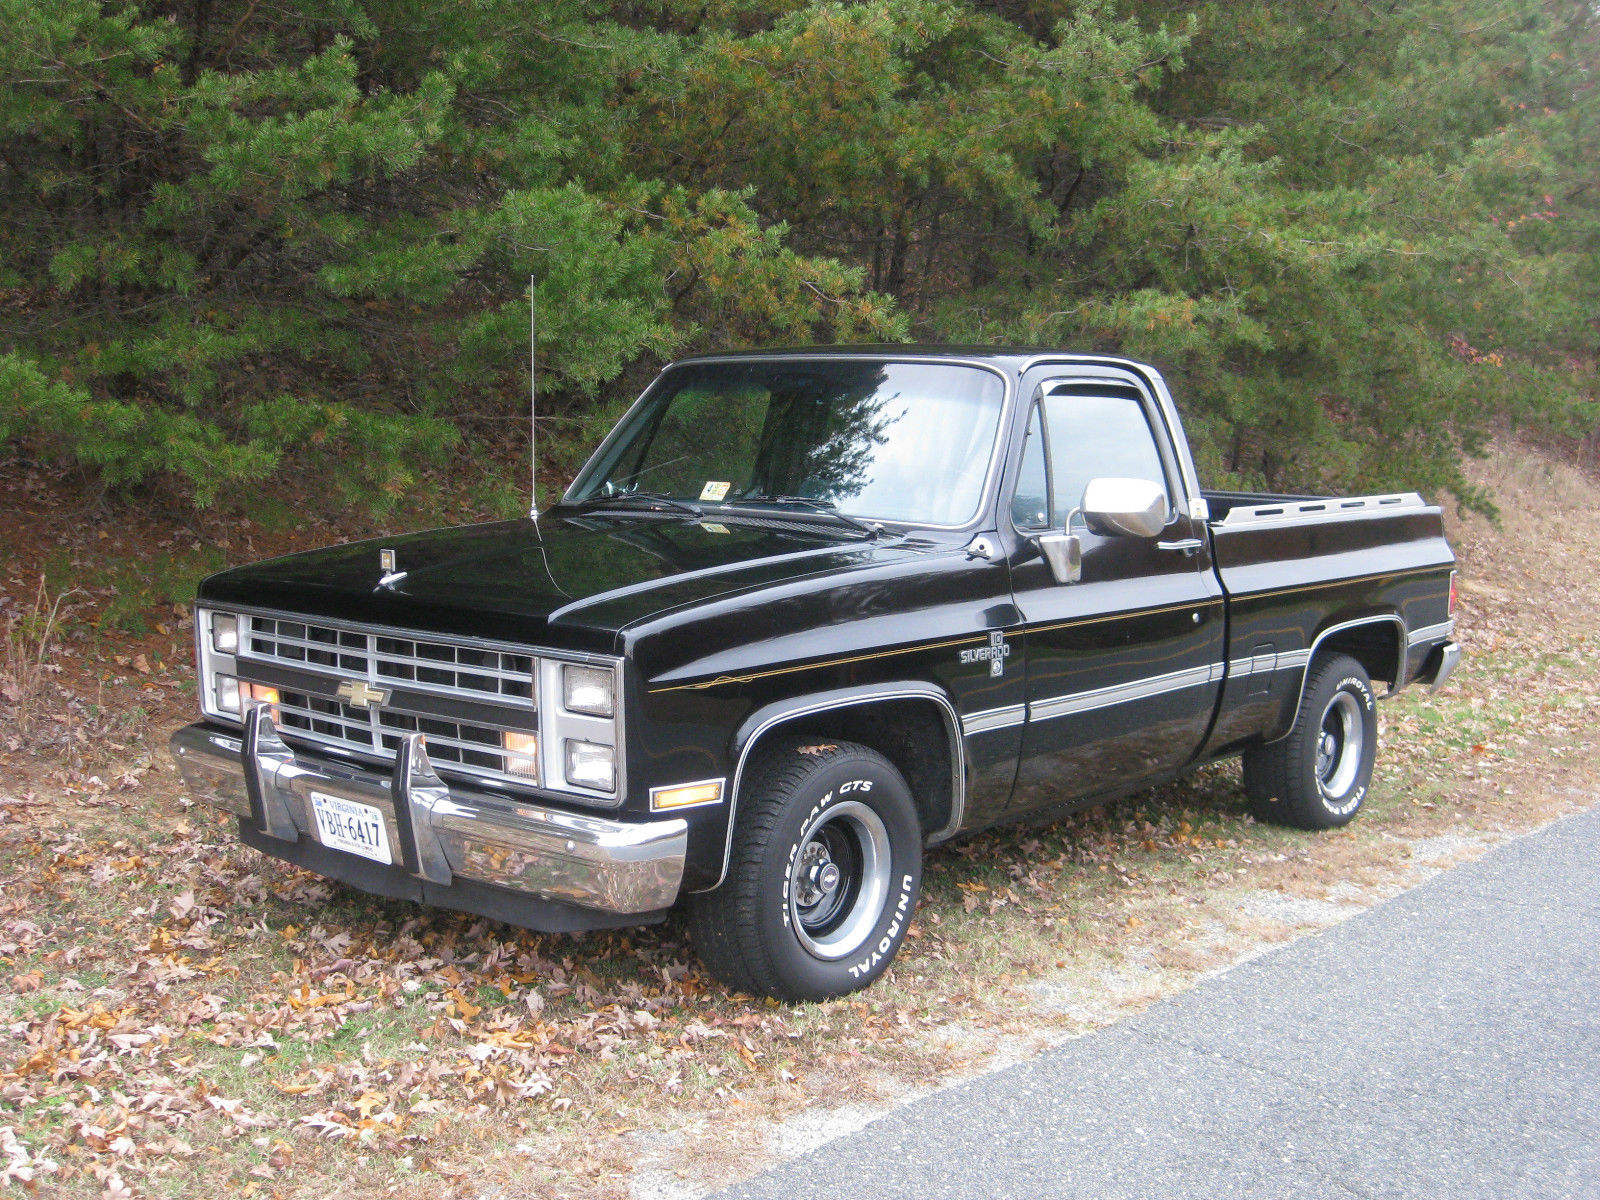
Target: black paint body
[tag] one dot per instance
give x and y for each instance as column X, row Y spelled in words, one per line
column 732, row 627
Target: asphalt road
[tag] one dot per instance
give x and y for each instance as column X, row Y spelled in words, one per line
column 1445, row 1044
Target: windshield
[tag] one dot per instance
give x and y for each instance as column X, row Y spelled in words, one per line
column 886, row 441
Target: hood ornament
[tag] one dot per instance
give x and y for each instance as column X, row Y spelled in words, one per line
column 386, row 564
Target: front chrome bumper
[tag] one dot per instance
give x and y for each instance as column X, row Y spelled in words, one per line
column 446, row 838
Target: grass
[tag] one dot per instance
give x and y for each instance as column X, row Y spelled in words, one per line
column 29, row 647
column 135, row 592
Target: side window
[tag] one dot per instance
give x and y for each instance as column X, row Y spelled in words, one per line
column 1030, row 507
column 1092, row 435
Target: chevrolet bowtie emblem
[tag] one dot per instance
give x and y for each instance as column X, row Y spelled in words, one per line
column 358, row 693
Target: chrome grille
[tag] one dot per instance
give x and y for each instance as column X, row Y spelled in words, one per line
column 436, row 666
column 456, row 742
column 406, row 664
column 457, row 668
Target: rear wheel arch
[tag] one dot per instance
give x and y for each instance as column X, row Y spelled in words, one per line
column 1378, row 643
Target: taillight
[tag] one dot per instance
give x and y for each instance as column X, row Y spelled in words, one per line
column 1453, row 593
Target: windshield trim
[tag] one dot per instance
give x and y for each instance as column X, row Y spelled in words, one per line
column 986, row 492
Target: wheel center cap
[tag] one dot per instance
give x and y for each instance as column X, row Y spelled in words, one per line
column 825, row 877
column 819, row 876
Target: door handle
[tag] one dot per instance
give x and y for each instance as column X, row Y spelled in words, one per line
column 1187, row 545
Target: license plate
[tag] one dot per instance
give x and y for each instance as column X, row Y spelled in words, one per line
column 356, row 828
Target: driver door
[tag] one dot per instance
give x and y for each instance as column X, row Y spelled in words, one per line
column 1124, row 665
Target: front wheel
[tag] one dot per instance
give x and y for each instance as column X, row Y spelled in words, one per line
column 1318, row 776
column 826, row 866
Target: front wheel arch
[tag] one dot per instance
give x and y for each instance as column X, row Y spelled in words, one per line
column 913, row 724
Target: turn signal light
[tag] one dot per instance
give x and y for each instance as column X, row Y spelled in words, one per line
column 522, row 754
column 233, row 693
column 686, row 796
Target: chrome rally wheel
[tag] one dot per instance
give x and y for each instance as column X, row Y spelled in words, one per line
column 824, row 875
column 1318, row 776
column 841, row 879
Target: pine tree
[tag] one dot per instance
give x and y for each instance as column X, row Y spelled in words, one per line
column 243, row 240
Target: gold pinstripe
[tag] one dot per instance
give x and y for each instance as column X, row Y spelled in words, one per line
column 1207, row 602
column 982, row 639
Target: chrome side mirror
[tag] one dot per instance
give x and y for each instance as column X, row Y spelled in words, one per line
column 1064, row 553
column 1115, row 507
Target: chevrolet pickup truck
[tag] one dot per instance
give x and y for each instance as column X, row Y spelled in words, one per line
column 802, row 615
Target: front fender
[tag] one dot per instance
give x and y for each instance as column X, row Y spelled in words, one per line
column 774, row 716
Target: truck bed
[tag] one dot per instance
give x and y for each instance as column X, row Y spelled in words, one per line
column 1370, row 571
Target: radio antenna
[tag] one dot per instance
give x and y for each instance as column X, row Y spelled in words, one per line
column 533, row 395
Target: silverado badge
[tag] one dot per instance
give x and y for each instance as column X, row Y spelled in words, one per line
column 995, row 654
column 358, row 693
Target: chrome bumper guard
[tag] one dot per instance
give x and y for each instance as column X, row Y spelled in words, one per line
column 1441, row 665
column 437, row 833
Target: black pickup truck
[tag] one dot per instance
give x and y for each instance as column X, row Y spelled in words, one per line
column 803, row 614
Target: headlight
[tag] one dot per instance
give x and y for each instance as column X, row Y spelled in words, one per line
column 589, row 690
column 591, row 765
column 225, row 633
column 580, row 748
column 228, row 694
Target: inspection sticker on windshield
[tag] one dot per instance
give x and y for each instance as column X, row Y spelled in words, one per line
column 714, row 490
column 356, row 828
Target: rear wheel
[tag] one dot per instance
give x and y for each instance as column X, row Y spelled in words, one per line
column 826, row 866
column 1318, row 776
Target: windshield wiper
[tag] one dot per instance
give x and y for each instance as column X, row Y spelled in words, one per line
column 825, row 507
column 651, row 501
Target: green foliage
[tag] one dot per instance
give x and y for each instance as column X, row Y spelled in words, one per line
column 243, row 240
column 151, row 584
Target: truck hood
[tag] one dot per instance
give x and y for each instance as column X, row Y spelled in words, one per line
column 569, row 581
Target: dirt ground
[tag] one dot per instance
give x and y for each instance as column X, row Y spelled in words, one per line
column 180, row 1016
